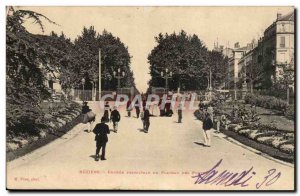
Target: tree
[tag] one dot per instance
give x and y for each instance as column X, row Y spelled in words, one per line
column 114, row 55
column 24, row 77
column 188, row 59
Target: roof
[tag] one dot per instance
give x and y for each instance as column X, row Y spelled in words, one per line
column 287, row 17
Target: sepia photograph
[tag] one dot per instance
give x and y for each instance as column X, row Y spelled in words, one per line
column 150, row 98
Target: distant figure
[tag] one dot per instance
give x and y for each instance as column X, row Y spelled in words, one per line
column 179, row 111
column 101, row 130
column 128, row 108
column 168, row 107
column 115, row 118
column 142, row 118
column 106, row 112
column 146, row 119
column 161, row 107
column 88, row 116
column 207, row 126
column 137, row 109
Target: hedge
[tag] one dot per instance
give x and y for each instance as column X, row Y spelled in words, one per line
column 268, row 102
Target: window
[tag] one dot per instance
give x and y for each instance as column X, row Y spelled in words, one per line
column 282, row 42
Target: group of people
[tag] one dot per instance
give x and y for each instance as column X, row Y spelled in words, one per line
column 102, row 129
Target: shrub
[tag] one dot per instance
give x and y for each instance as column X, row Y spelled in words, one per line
column 268, row 102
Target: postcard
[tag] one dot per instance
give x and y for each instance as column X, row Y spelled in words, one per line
column 150, row 98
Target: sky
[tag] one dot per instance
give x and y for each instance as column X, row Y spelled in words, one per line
column 137, row 26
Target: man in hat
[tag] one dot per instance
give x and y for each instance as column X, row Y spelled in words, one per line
column 101, row 130
column 115, row 118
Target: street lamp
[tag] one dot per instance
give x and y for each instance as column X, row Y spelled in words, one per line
column 166, row 77
column 83, row 82
column 119, row 76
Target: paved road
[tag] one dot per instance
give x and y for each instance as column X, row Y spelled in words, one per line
column 164, row 158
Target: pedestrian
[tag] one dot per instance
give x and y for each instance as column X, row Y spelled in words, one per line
column 137, row 109
column 107, row 109
column 142, row 118
column 161, row 106
column 101, row 130
column 207, row 126
column 115, row 118
column 144, row 103
column 168, row 111
column 88, row 116
column 146, row 119
column 179, row 111
column 129, row 108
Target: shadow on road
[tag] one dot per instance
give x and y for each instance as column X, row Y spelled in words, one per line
column 200, row 144
column 141, row 130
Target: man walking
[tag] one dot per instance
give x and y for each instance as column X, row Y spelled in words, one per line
column 101, row 130
column 115, row 118
column 179, row 111
column 128, row 108
column 137, row 109
column 207, row 125
column 146, row 119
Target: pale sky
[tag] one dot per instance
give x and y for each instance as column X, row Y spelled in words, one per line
column 137, row 26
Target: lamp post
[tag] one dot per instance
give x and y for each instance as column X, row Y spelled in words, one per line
column 83, row 82
column 119, row 76
column 166, row 77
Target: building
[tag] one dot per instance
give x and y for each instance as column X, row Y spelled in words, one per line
column 276, row 49
column 226, row 51
column 234, row 67
column 264, row 62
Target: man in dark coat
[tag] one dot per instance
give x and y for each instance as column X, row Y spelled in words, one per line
column 115, row 118
column 146, row 119
column 129, row 108
column 101, row 130
column 137, row 108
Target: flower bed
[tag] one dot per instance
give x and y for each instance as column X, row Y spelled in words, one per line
column 274, row 138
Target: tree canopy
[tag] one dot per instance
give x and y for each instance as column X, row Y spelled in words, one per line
column 189, row 60
column 31, row 58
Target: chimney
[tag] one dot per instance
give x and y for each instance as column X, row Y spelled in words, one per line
column 279, row 16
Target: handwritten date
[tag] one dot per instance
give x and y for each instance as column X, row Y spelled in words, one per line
column 227, row 178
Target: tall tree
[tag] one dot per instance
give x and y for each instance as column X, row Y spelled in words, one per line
column 189, row 60
column 182, row 54
column 24, row 77
column 114, row 55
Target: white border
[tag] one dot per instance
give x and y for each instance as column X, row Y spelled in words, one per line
column 108, row 3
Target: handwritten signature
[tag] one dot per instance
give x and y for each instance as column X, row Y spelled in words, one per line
column 227, row 178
